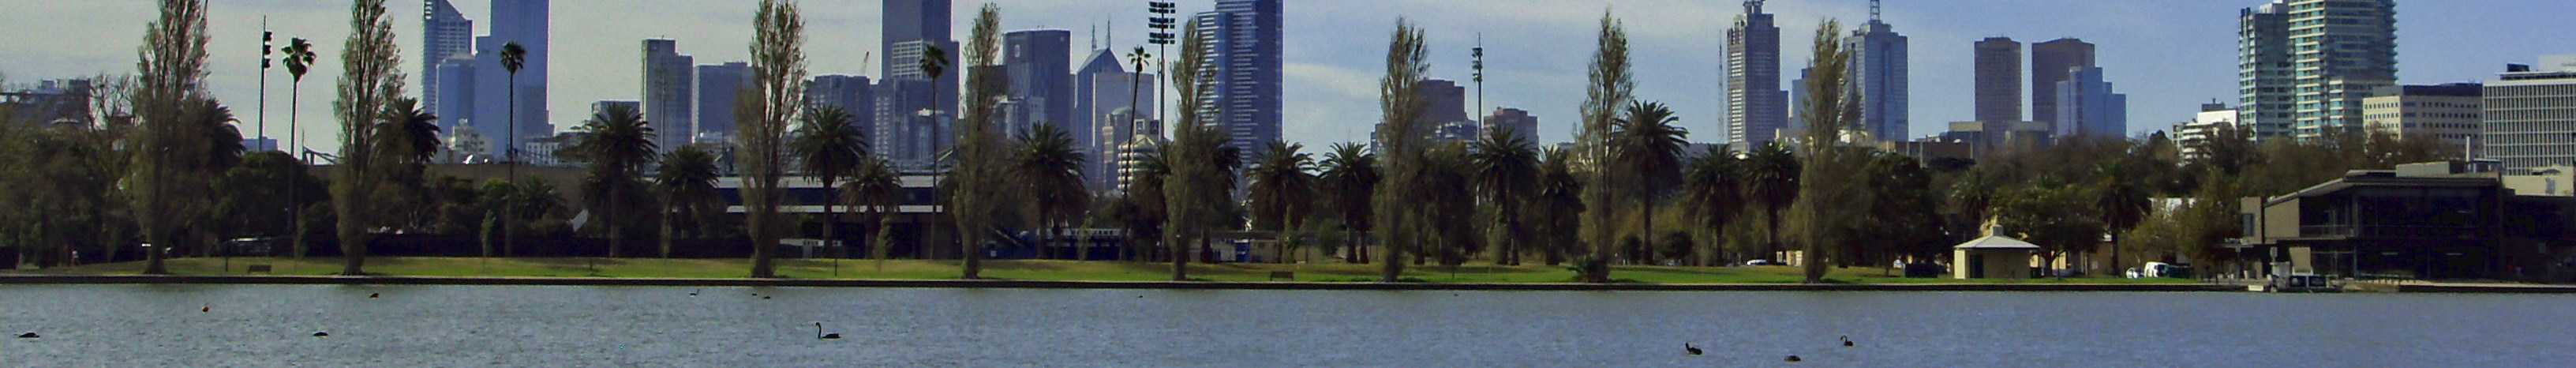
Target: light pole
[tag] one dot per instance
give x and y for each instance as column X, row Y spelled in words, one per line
column 1161, row 23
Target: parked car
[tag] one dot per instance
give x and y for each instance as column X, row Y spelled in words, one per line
column 2161, row 269
column 1761, row 262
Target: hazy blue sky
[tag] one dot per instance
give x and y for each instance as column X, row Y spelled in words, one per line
column 2168, row 55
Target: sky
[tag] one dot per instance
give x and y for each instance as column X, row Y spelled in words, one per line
column 2169, row 56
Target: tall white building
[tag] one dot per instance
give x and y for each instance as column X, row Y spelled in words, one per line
column 2531, row 115
column 2304, row 65
column 2451, row 113
column 669, row 86
column 1756, row 109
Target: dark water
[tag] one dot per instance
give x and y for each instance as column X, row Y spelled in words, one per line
column 415, row 326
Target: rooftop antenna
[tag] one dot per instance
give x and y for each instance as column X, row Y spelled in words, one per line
column 1873, row 11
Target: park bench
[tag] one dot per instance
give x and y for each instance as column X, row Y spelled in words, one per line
column 258, row 268
column 1283, row 275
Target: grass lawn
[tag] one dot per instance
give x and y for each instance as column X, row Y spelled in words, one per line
column 1013, row 270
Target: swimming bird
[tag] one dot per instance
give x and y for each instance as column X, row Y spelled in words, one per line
column 373, row 295
column 1847, row 341
column 1694, row 350
column 819, row 335
column 205, row 309
column 1792, row 358
column 29, row 335
column 764, row 298
column 693, row 293
column 321, row 334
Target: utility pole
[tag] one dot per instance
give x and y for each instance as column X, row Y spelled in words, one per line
column 1162, row 23
column 1479, row 65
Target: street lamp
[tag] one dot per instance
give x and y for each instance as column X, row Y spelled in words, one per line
column 1162, row 37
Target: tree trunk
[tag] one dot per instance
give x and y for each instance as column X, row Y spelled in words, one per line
column 616, row 232
column 1180, row 257
column 831, row 219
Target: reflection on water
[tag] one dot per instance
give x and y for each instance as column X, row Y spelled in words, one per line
column 162, row 325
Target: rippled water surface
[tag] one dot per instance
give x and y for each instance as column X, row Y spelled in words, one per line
column 411, row 326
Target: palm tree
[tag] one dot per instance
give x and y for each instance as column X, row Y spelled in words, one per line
column 686, row 181
column 513, row 57
column 1771, row 180
column 2121, row 199
column 299, row 60
column 1506, row 168
column 1142, row 211
column 1049, row 171
column 1136, row 83
column 1560, row 200
column 1648, row 149
column 1350, row 182
column 877, row 185
column 620, row 143
column 1283, row 187
column 831, row 147
column 1714, row 188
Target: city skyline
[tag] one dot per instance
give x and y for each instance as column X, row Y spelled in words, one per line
column 2168, row 57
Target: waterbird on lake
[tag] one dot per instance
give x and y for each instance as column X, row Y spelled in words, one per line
column 1847, row 341
column 373, row 295
column 1792, row 359
column 819, row 335
column 1694, row 350
column 321, row 334
column 764, row 298
column 205, row 309
column 693, row 293
column 29, row 335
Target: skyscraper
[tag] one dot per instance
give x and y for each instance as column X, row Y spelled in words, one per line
column 1444, row 110
column 1879, row 69
column 2051, row 63
column 1244, row 65
column 2305, row 65
column 1756, row 109
column 2087, row 106
column 1517, row 121
column 2526, row 112
column 523, row 22
column 668, row 85
column 1104, row 86
column 851, row 93
column 1040, row 64
column 719, row 86
column 445, row 34
column 1998, row 86
column 909, row 29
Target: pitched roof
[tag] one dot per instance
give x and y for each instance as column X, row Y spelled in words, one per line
column 1996, row 242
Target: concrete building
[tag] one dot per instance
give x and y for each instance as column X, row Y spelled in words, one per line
column 525, row 22
column 1245, row 62
column 2052, row 63
column 2452, row 113
column 2086, row 106
column 601, row 107
column 2308, row 64
column 669, row 93
column 1879, row 63
column 1517, row 121
column 1040, row 65
column 2440, row 220
column 1993, row 257
column 851, row 93
column 2213, row 117
column 1998, row 85
column 51, row 102
column 909, row 28
column 1444, row 110
column 718, row 88
column 445, row 34
column 2529, row 112
column 1757, row 110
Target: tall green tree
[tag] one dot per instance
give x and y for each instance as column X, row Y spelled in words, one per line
column 1193, row 191
column 831, row 146
column 982, row 153
column 1507, row 177
column 1402, row 145
column 618, row 147
column 1350, row 182
column 2121, row 197
column 1444, row 213
column 168, row 175
column 1647, row 148
column 371, row 80
column 1142, row 210
column 775, row 96
column 299, row 60
column 2059, row 218
column 404, row 140
column 877, row 186
column 1611, row 86
column 513, row 58
column 686, row 182
column 1713, row 191
column 1283, row 192
column 1825, row 211
column 1048, row 170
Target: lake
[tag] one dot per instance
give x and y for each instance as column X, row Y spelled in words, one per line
column 267, row 325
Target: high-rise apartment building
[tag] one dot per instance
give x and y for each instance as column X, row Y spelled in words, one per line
column 2088, row 107
column 2304, row 65
column 2527, row 115
column 2213, row 119
column 1998, row 86
column 1756, row 109
column 1879, row 65
column 445, row 34
column 1040, row 65
column 1517, row 121
column 669, row 83
column 526, row 23
column 719, row 87
column 2452, row 113
column 1245, row 66
column 2051, row 63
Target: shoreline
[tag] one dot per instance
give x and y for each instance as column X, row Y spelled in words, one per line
column 1037, row 284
